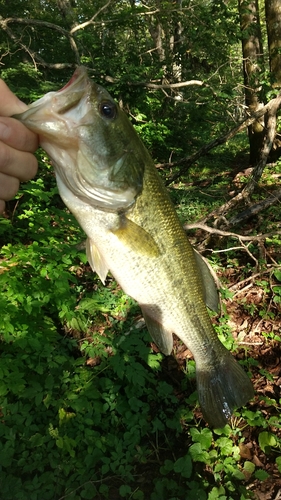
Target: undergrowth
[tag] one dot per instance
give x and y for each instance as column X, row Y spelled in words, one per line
column 89, row 408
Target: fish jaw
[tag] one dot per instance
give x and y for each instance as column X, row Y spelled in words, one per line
column 93, row 159
column 44, row 116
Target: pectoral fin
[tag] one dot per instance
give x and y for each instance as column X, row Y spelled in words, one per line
column 162, row 337
column 210, row 290
column 136, row 238
column 96, row 260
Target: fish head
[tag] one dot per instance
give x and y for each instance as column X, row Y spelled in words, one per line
column 95, row 150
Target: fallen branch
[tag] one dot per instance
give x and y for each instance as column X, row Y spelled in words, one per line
column 254, row 209
column 251, row 278
column 271, row 108
column 187, row 162
column 240, row 237
column 271, row 120
column 220, row 232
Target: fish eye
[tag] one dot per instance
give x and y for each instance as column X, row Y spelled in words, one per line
column 108, row 109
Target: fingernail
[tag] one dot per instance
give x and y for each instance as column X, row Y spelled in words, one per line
column 4, row 130
column 22, row 105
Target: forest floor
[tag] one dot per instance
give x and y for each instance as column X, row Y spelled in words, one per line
column 266, row 350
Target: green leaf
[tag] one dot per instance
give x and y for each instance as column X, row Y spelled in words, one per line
column 6, row 456
column 217, row 493
column 226, row 445
column 249, row 467
column 184, row 466
column 266, row 440
column 167, row 467
column 277, row 274
column 125, row 490
column 203, row 437
column 278, row 463
column 138, row 495
column 198, row 454
column 60, row 442
column 261, row 474
column 238, row 475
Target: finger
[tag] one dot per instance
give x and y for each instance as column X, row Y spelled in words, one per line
column 2, row 206
column 9, row 187
column 9, row 104
column 16, row 135
column 14, row 163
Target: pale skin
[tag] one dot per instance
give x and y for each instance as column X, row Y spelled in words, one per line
column 17, row 145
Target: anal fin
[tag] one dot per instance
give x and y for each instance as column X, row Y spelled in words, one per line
column 162, row 337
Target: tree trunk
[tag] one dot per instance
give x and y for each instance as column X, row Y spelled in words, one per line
column 166, row 31
column 273, row 23
column 252, row 62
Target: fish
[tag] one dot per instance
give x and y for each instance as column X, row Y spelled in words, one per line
column 108, row 180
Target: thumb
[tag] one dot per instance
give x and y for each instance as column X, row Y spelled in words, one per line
column 9, row 103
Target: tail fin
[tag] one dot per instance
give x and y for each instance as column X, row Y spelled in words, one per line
column 222, row 389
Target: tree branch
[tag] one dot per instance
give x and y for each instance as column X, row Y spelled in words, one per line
column 271, row 108
column 91, row 21
column 219, row 232
column 267, row 144
column 254, row 209
column 187, row 162
column 240, row 237
column 35, row 22
column 169, row 85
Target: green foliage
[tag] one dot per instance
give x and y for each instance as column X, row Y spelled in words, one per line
column 120, row 50
column 85, row 404
column 267, row 440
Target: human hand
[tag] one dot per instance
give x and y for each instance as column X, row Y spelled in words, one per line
column 17, row 143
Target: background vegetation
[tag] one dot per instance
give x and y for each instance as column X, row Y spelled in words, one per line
column 88, row 406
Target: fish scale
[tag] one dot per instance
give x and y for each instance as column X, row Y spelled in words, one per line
column 108, row 180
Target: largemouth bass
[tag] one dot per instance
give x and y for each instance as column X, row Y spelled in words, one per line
column 107, row 179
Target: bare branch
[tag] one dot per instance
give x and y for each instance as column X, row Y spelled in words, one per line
column 251, row 278
column 35, row 22
column 91, row 21
column 35, row 58
column 256, row 208
column 250, row 239
column 187, row 162
column 270, row 134
column 169, row 85
column 219, row 232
